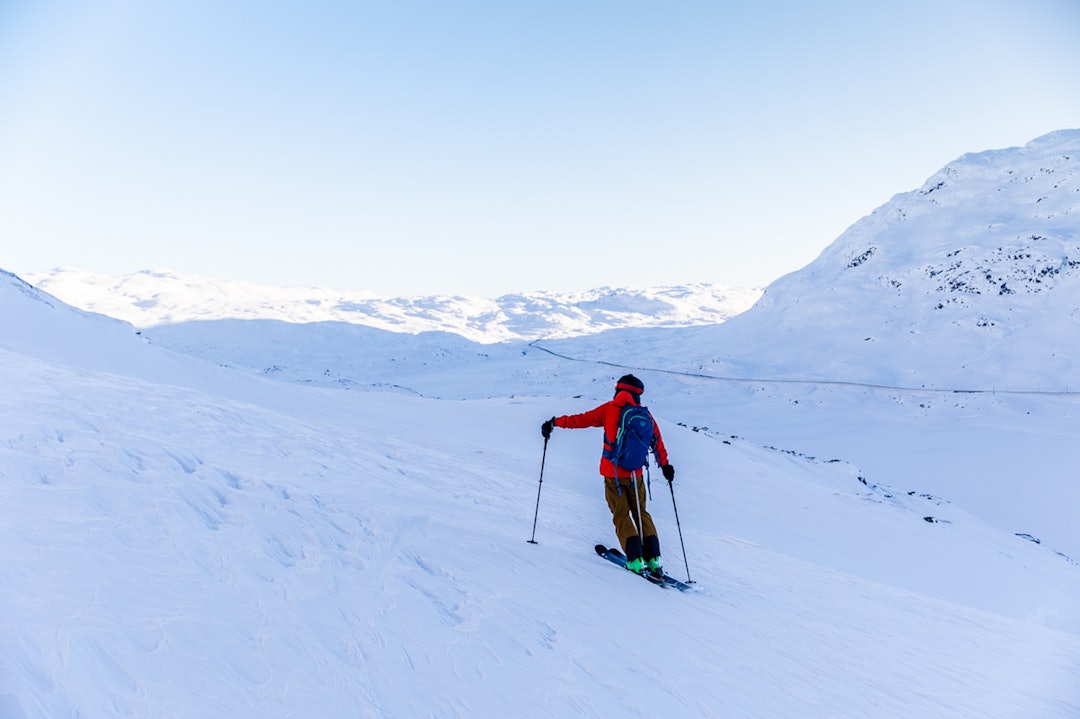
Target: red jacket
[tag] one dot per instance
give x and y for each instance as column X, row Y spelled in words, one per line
column 607, row 416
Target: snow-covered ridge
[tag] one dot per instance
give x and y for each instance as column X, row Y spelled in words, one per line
column 151, row 298
column 973, row 276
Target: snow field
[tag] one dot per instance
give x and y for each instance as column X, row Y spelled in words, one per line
column 196, row 556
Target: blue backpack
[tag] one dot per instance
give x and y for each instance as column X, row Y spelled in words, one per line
column 634, row 439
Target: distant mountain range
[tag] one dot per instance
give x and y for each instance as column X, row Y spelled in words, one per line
column 152, row 298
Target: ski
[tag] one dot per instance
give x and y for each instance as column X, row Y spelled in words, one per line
column 663, row 580
column 616, row 557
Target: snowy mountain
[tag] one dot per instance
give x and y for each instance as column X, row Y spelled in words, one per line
column 970, row 282
column 198, row 521
column 148, row 299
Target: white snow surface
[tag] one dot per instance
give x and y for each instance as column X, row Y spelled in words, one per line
column 264, row 518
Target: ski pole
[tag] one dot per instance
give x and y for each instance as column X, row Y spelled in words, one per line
column 536, row 515
column 640, row 522
column 671, row 486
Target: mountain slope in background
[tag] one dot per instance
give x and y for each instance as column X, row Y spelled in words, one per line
column 148, row 299
column 975, row 274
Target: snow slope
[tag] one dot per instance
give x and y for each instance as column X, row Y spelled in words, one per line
column 152, row 298
column 309, row 552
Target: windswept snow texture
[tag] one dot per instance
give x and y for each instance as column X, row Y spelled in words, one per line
column 263, row 518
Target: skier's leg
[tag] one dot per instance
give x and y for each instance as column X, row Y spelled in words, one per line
column 650, row 541
column 618, row 500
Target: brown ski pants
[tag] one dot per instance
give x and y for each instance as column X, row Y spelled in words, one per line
column 624, row 509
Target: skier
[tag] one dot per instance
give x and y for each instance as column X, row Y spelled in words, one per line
column 637, row 533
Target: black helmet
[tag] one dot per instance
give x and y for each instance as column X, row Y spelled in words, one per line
column 631, row 384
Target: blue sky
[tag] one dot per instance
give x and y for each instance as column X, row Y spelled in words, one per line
column 470, row 147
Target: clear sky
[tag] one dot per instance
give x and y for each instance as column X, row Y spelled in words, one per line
column 485, row 147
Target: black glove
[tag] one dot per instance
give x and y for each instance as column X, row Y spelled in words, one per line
column 669, row 472
column 545, row 428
